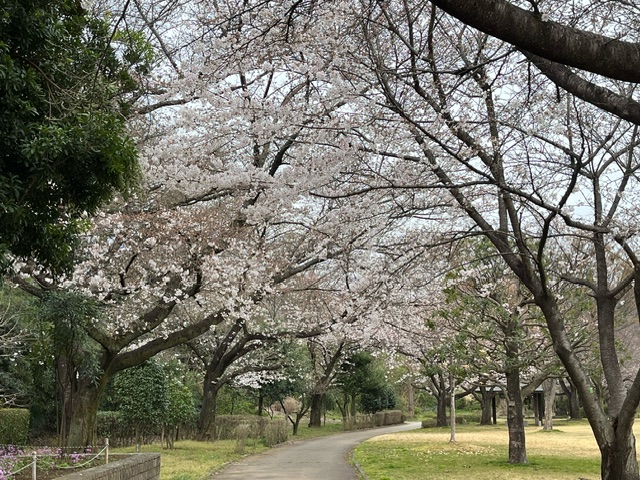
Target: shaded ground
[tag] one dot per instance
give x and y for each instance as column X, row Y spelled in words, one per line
column 320, row 458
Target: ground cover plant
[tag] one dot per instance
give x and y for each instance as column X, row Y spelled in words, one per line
column 567, row 452
column 16, row 463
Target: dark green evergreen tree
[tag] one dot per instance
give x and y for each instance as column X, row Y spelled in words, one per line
column 63, row 146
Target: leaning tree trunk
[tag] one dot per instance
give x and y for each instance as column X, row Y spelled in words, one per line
column 315, row 416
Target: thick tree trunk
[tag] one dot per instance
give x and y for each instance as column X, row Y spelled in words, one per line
column 486, row 404
column 80, row 398
column 440, row 392
column 315, row 415
column 619, row 459
column 83, row 421
column 617, row 445
column 205, row 429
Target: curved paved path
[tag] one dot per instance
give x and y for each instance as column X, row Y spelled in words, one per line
column 323, row 458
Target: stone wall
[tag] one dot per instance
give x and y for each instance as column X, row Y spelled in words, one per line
column 141, row 466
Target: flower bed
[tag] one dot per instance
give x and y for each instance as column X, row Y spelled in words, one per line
column 16, row 463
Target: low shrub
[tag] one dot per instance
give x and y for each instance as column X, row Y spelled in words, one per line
column 14, row 426
column 242, row 435
column 226, row 425
column 111, row 425
column 275, row 432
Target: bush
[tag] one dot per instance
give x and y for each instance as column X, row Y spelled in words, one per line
column 242, row 435
column 378, row 398
column 142, row 398
column 14, row 426
column 112, row 426
column 227, row 425
column 275, row 432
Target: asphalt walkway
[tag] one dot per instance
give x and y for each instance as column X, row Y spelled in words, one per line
column 322, row 458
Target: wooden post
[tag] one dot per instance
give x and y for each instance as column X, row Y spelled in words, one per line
column 106, row 451
column 34, row 467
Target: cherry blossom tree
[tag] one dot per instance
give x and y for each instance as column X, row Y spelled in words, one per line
column 245, row 128
column 555, row 36
column 527, row 170
column 500, row 337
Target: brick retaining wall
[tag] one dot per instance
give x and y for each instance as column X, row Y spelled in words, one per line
column 141, row 466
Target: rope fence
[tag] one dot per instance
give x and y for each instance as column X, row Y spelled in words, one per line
column 13, row 458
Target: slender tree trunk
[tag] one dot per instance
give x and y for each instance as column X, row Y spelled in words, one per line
column 260, row 404
column 515, row 419
column 452, row 409
column 574, row 404
column 354, row 395
column 515, row 405
column 549, row 402
column 411, row 405
column 299, row 416
column 315, row 415
column 342, row 406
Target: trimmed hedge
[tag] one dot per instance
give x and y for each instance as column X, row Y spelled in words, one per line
column 378, row 419
column 389, row 417
column 14, row 426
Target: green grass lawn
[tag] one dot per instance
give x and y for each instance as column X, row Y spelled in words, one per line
column 567, row 452
column 191, row 460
